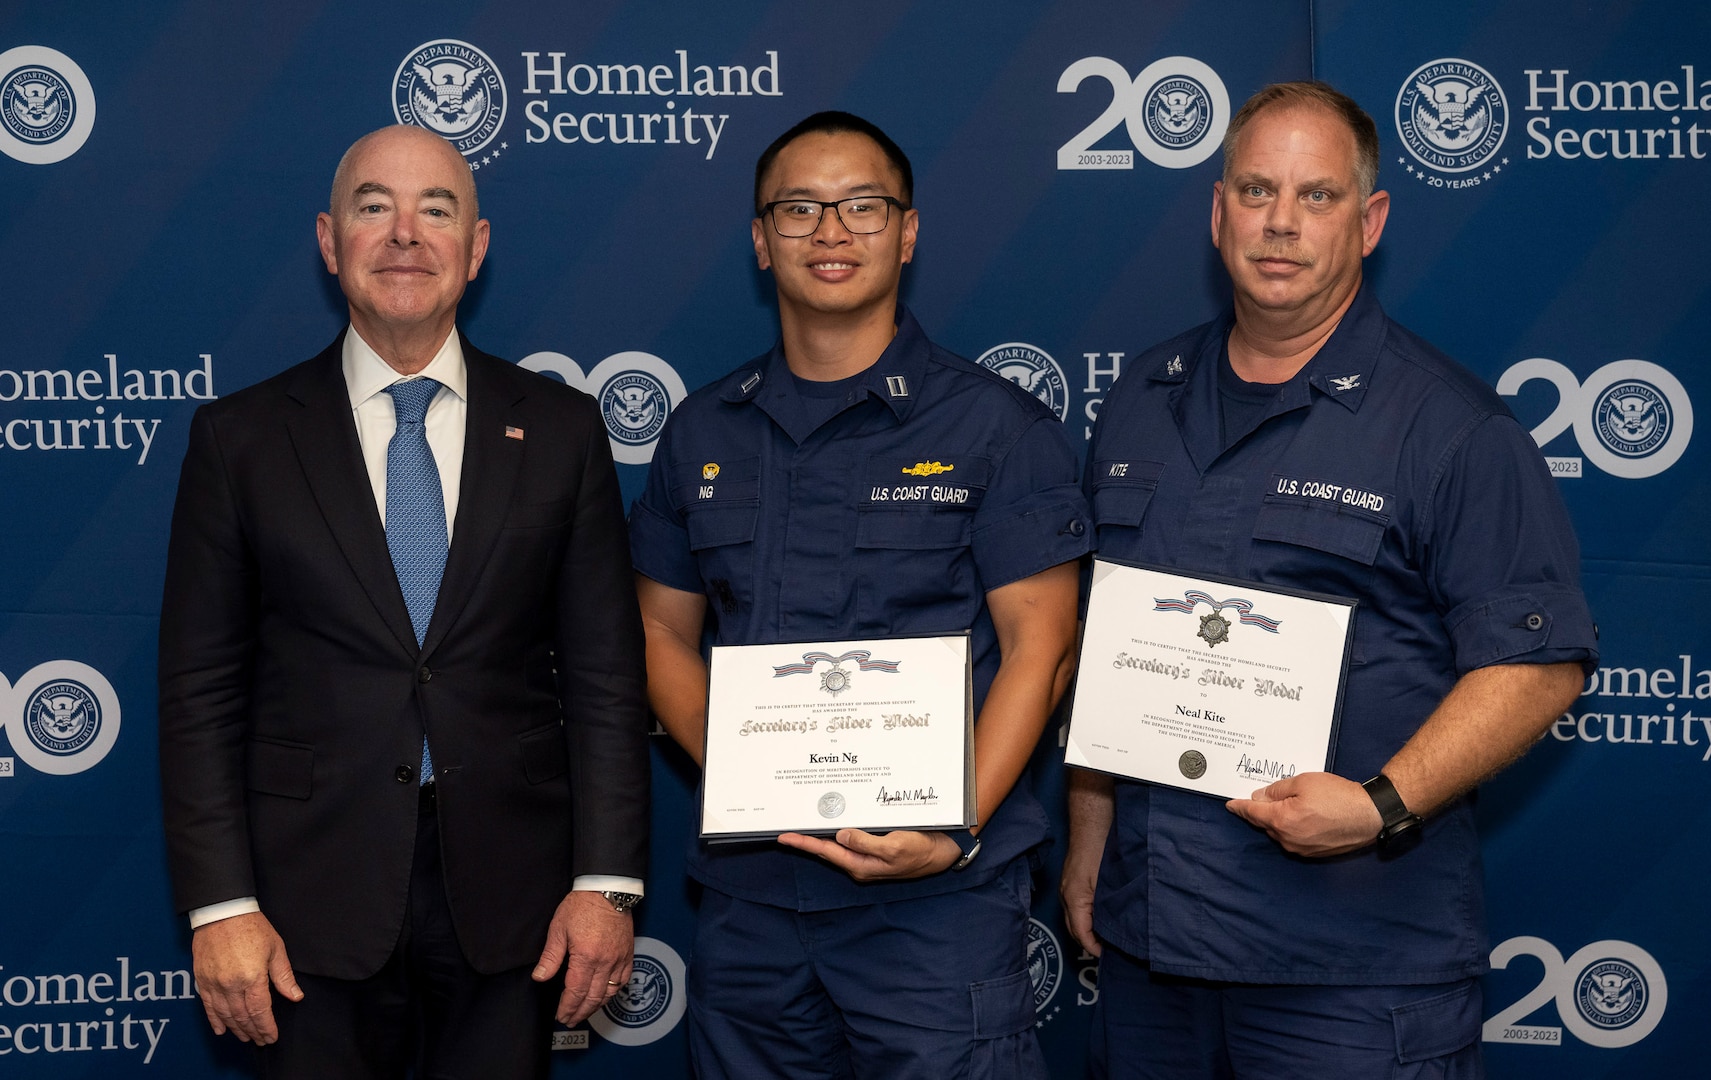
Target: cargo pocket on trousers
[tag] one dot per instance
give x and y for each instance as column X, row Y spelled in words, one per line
column 1438, row 1038
column 1004, row 1041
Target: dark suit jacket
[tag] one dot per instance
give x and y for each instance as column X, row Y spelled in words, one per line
column 293, row 696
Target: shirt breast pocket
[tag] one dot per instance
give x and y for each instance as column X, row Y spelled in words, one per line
column 1122, row 491
column 914, row 530
column 1320, row 548
column 720, row 504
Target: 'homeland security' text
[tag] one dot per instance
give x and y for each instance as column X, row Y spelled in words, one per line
column 23, row 1034
column 101, row 431
column 1553, row 92
column 626, row 80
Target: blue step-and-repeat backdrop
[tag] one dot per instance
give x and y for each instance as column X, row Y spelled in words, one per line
column 161, row 165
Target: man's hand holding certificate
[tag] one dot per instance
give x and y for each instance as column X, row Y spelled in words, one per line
column 815, row 737
column 1214, row 686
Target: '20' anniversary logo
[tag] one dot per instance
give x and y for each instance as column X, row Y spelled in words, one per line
column 1175, row 111
column 1608, row 994
column 61, row 717
column 1632, row 418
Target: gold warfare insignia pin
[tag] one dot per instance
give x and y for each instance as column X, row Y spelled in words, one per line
column 927, row 468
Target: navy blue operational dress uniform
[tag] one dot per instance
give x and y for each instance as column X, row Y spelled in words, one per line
column 1382, row 472
column 803, row 512
column 1379, row 471
column 1385, row 473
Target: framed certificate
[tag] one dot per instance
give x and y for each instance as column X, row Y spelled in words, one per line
column 1205, row 684
column 819, row 736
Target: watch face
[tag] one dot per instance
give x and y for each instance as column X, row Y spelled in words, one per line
column 1405, row 831
column 622, row 901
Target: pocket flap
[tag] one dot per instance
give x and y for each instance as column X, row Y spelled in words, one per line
column 544, row 753
column 1003, row 1006
column 913, row 529
column 280, row 768
column 1121, row 504
column 1323, row 528
column 714, row 525
column 1437, row 1026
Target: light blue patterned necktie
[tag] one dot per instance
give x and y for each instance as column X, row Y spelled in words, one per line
column 415, row 513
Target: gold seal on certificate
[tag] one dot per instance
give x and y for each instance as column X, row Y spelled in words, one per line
column 1214, row 686
column 818, row 736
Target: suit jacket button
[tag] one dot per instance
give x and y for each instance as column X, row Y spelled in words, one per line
column 403, row 774
column 424, row 675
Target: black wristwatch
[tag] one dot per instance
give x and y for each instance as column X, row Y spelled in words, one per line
column 967, row 843
column 623, row 901
column 1399, row 821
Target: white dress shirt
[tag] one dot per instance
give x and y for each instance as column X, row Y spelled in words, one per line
column 367, row 378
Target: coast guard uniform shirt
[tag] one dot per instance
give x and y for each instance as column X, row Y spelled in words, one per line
column 1383, row 472
column 890, row 510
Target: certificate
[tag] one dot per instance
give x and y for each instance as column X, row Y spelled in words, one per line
column 1215, row 686
column 819, row 736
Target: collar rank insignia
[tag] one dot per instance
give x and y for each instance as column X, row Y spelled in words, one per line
column 927, row 468
column 897, row 385
column 750, row 383
column 1174, row 367
column 710, row 471
column 1345, row 382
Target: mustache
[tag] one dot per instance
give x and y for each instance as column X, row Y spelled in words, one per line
column 1286, row 252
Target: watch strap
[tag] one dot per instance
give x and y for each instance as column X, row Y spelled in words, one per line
column 1394, row 813
column 967, row 843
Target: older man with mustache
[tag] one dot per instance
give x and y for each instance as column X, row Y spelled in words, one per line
column 1319, row 927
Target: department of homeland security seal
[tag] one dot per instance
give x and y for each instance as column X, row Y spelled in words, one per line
column 831, row 805
column 1178, row 111
column 1032, row 369
column 651, row 1003
column 1632, row 418
column 636, row 392
column 62, row 717
column 453, row 89
column 1045, row 963
column 1452, row 115
column 47, row 107
column 635, row 405
column 1192, row 764
column 1611, row 994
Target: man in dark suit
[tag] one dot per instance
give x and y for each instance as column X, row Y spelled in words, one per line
column 402, row 720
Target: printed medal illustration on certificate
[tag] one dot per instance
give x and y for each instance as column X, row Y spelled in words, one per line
column 1215, row 686
column 813, row 737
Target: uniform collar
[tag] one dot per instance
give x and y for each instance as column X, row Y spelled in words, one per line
column 1340, row 370
column 895, row 378
column 1343, row 367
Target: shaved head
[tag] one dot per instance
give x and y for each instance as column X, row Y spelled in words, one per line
column 393, row 136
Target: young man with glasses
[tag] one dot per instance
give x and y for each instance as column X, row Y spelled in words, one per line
column 902, row 954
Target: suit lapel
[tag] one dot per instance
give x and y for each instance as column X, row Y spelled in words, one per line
column 490, row 464
column 323, row 433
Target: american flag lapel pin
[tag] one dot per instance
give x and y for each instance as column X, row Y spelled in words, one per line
column 513, row 433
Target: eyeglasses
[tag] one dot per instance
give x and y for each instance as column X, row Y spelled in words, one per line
column 862, row 215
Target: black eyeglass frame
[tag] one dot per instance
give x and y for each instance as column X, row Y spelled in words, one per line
column 889, row 200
